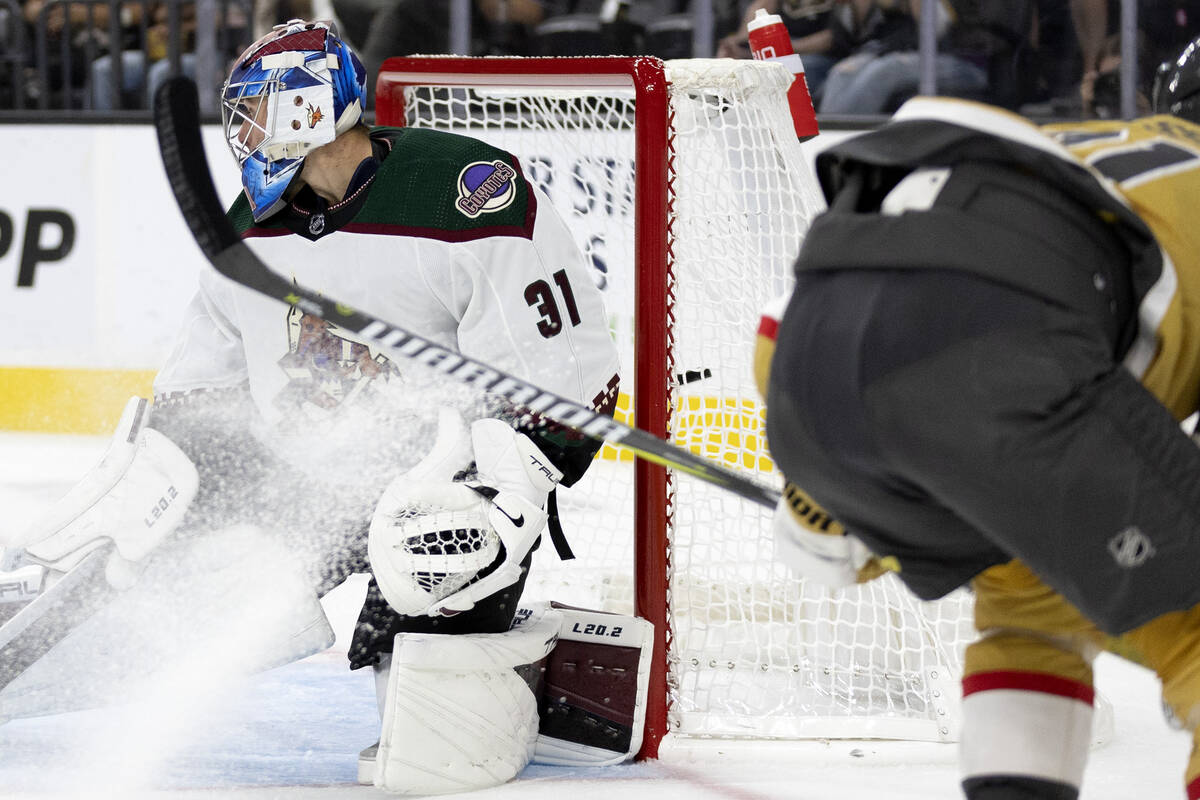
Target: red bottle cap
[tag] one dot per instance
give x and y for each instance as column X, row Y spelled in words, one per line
column 768, row 36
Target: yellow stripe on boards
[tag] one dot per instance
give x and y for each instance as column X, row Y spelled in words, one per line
column 59, row 400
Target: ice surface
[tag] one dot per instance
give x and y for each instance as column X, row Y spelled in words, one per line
column 294, row 732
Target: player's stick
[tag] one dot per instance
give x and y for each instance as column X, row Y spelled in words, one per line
column 177, row 119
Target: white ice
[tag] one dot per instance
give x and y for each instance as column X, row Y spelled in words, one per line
column 294, row 732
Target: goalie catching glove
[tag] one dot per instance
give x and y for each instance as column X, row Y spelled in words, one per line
column 456, row 527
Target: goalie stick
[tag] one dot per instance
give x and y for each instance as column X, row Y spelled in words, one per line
column 177, row 121
column 52, row 615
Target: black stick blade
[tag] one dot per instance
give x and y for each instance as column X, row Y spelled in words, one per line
column 177, row 121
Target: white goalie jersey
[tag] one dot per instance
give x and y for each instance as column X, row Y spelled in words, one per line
column 490, row 271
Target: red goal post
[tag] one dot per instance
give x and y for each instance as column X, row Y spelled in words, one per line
column 646, row 77
column 688, row 190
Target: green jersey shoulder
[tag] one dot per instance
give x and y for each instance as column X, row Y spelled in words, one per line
column 434, row 184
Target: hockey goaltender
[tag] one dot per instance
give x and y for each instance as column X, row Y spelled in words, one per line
column 278, row 443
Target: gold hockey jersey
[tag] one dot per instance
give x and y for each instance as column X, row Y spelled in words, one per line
column 1146, row 171
column 1142, row 174
column 1150, row 167
column 1154, row 165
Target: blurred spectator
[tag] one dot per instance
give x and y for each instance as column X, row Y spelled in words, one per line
column 885, row 69
column 809, row 22
column 1051, row 83
column 1164, row 28
column 145, row 66
column 616, row 27
column 1001, row 37
column 82, row 28
column 354, row 17
column 862, row 32
column 408, row 27
column 266, row 14
column 13, row 56
column 11, row 23
column 1057, row 47
column 1091, row 27
column 662, row 28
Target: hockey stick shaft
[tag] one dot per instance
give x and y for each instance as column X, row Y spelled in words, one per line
column 177, row 120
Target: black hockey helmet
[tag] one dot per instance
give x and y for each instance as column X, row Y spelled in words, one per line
column 1177, row 85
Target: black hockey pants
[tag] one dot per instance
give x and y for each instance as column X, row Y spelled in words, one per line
column 956, row 423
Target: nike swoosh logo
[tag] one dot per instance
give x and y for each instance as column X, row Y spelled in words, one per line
column 490, row 494
column 517, row 521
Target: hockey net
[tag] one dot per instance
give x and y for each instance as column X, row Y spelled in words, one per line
column 690, row 194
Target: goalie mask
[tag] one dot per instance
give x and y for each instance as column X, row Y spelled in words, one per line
column 292, row 91
column 1177, row 85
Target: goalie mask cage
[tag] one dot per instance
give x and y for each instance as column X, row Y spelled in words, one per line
column 685, row 185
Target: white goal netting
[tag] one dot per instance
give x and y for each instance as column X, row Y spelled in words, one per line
column 751, row 651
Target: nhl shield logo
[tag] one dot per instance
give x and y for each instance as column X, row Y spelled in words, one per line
column 1131, row 548
column 485, row 187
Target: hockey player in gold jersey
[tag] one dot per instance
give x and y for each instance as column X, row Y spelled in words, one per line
column 981, row 374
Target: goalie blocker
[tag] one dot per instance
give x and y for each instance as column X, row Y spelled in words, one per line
column 564, row 686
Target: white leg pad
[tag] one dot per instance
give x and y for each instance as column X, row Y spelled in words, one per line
column 459, row 716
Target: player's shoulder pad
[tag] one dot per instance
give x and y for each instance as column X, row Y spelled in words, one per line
column 943, row 132
column 447, row 186
column 1126, row 138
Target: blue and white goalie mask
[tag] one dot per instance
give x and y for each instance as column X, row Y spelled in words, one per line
column 292, row 91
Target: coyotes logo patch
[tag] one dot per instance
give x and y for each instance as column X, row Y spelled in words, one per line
column 325, row 367
column 485, row 187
